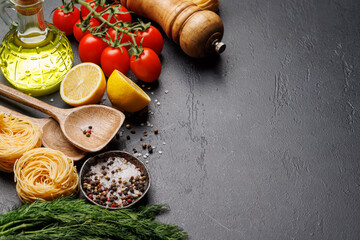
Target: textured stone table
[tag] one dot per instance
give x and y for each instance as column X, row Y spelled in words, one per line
column 262, row 142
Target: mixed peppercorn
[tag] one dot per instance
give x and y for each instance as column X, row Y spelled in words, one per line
column 87, row 131
column 116, row 183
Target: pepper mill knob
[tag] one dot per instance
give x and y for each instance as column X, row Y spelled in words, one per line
column 219, row 47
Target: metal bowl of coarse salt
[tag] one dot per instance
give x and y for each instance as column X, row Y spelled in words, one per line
column 114, row 179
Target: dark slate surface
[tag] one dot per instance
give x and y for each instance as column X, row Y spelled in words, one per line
column 262, row 142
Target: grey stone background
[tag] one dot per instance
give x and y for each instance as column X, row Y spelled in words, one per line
column 262, row 142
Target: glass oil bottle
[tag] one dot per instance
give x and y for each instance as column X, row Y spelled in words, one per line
column 34, row 55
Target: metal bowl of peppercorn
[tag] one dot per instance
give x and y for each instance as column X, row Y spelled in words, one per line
column 114, row 179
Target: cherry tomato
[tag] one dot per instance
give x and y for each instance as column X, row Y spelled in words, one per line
column 80, row 34
column 124, row 39
column 147, row 67
column 152, row 38
column 115, row 58
column 125, row 16
column 85, row 11
column 90, row 48
column 65, row 21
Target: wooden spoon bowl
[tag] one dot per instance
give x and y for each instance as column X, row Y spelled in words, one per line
column 92, row 115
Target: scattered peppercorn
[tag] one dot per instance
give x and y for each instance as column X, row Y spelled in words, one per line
column 145, row 133
column 150, row 149
column 133, row 131
column 128, row 126
column 156, row 131
column 88, row 134
column 141, row 139
column 144, row 145
column 128, row 137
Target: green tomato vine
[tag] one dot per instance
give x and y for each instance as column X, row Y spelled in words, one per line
column 121, row 28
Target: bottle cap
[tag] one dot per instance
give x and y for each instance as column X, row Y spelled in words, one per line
column 28, row 7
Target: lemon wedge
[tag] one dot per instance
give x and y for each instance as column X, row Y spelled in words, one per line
column 124, row 94
column 83, row 84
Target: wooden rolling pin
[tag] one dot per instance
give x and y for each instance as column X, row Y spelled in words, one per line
column 199, row 32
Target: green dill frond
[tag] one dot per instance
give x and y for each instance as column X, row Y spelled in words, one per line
column 69, row 218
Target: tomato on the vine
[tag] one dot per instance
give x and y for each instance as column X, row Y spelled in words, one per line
column 125, row 16
column 125, row 38
column 147, row 66
column 90, row 48
column 85, row 11
column 152, row 38
column 65, row 21
column 115, row 58
column 78, row 34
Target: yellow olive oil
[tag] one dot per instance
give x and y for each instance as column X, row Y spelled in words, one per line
column 36, row 68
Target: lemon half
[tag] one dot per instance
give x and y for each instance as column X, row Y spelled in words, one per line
column 124, row 94
column 83, row 84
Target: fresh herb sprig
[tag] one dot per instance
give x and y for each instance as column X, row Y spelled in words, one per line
column 69, row 218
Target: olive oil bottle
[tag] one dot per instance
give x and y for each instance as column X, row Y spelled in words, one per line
column 34, row 55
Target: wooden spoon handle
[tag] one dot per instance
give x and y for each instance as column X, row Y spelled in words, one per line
column 30, row 101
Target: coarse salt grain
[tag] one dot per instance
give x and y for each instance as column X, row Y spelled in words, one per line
column 127, row 171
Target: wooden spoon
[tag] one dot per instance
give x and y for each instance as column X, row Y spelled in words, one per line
column 52, row 135
column 105, row 121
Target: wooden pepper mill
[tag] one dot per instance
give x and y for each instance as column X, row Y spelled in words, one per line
column 199, row 32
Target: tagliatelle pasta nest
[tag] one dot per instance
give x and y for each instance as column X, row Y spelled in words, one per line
column 45, row 174
column 17, row 136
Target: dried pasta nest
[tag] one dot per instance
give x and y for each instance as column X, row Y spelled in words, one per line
column 17, row 136
column 45, row 174
column 212, row 5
